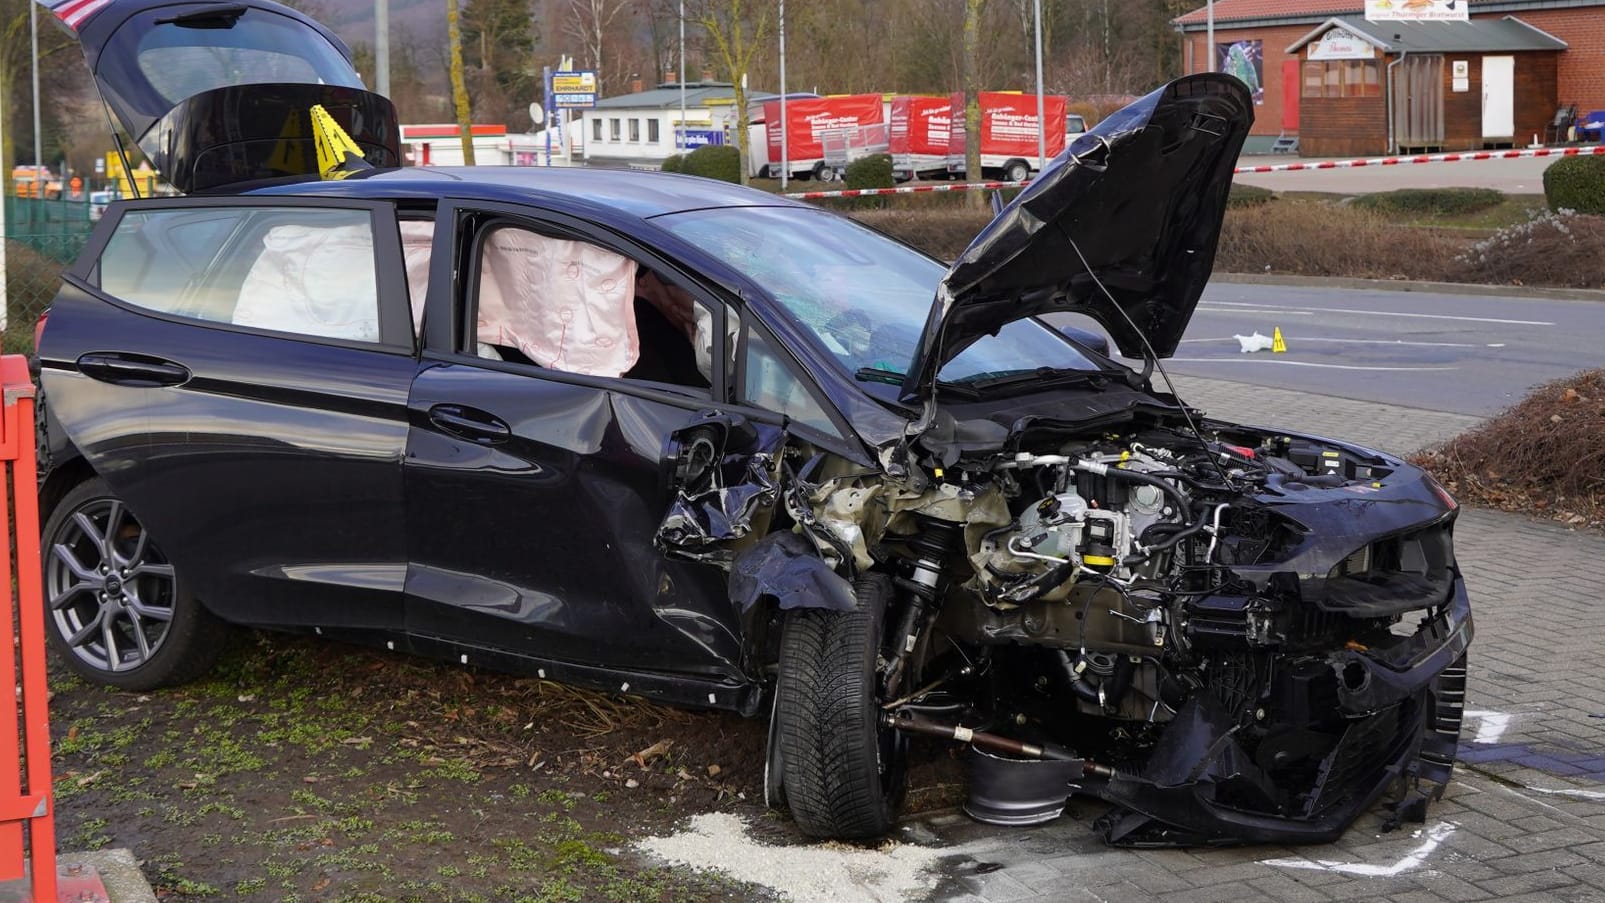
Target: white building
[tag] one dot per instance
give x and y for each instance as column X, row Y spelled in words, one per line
column 639, row 130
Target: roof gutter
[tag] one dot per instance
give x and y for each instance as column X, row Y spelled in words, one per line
column 1393, row 146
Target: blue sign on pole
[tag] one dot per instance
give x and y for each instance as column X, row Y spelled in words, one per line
column 695, row 138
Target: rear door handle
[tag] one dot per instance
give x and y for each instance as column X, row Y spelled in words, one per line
column 134, row 370
column 471, row 424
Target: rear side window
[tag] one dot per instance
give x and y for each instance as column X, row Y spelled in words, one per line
column 288, row 269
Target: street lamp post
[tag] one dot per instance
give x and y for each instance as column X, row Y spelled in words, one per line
column 381, row 46
column 681, row 131
column 1042, row 122
column 1209, row 33
column 785, row 159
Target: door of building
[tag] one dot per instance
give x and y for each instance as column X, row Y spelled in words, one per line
column 1418, row 102
column 1292, row 89
column 1498, row 98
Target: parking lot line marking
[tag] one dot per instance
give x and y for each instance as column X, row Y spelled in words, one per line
column 1571, row 792
column 1436, row 835
column 1286, row 363
column 1305, row 338
column 1292, row 311
column 1491, row 725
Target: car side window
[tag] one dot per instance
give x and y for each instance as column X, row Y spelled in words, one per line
column 310, row 271
column 574, row 306
column 771, row 385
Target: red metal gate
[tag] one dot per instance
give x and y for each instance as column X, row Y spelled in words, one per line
column 27, row 819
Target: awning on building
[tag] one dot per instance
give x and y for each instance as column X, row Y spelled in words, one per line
column 1508, row 34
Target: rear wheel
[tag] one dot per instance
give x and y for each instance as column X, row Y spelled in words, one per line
column 843, row 770
column 1016, row 171
column 118, row 613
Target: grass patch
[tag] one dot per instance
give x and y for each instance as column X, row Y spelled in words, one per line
column 1541, row 456
column 1311, row 238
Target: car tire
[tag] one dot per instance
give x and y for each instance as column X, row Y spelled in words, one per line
column 843, row 771
column 116, row 611
column 1016, row 171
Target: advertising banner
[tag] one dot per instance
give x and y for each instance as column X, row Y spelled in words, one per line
column 1340, row 44
column 921, row 125
column 1009, row 124
column 808, row 119
column 1418, row 10
column 573, row 90
column 1246, row 61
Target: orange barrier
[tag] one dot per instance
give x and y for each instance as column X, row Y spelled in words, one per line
column 27, row 818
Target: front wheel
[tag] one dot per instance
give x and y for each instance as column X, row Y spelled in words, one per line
column 1017, row 171
column 843, row 770
column 117, row 611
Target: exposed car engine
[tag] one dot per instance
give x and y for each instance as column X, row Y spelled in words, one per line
column 1152, row 578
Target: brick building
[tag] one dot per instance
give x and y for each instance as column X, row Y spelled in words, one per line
column 1273, row 40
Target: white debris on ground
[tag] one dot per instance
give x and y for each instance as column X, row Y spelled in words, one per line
column 816, row 873
column 1255, row 342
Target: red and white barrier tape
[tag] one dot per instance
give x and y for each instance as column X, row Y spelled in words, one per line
column 1592, row 150
column 1429, row 158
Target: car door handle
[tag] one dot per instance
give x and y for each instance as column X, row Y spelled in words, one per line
column 136, row 370
column 470, row 423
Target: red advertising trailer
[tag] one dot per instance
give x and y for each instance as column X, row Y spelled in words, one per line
column 1009, row 133
column 919, row 135
column 824, row 134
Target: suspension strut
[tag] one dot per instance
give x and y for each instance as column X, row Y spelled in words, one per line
column 931, row 546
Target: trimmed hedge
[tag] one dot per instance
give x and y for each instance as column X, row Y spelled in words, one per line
column 674, row 163
column 714, row 161
column 1576, row 183
column 874, row 171
column 1430, row 201
column 1249, row 195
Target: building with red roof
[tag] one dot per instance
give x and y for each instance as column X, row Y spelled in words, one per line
column 1330, row 83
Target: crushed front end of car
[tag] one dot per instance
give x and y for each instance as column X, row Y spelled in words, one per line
column 1231, row 634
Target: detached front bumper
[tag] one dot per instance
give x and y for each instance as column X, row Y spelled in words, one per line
column 1402, row 703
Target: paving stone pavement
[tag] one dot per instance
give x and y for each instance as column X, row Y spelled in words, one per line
column 1523, row 819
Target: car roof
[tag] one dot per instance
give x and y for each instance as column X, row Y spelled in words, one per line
column 638, row 192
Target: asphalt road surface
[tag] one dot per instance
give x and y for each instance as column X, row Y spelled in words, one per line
column 1519, row 176
column 1462, row 354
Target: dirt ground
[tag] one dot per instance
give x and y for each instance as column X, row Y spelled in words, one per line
column 306, row 770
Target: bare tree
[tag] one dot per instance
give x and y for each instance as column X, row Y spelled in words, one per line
column 972, row 101
column 738, row 30
column 589, row 23
column 459, row 88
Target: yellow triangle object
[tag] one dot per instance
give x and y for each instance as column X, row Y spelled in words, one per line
column 336, row 150
column 1278, row 344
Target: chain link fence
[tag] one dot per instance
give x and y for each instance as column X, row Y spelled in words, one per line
column 43, row 237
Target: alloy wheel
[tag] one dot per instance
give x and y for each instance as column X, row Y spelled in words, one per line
column 109, row 589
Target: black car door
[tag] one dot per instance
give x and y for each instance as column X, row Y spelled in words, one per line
column 534, row 492
column 237, row 370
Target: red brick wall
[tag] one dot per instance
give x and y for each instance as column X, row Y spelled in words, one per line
column 1582, row 68
column 1267, row 116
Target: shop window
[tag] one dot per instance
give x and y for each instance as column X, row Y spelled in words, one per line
column 1314, row 79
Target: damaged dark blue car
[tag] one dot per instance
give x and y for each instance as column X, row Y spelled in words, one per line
column 666, row 436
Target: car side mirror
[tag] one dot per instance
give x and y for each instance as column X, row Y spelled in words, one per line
column 1087, row 338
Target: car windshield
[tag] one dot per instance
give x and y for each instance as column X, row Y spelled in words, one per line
column 863, row 297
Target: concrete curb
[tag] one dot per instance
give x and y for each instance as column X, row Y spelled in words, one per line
column 1402, row 285
column 119, row 872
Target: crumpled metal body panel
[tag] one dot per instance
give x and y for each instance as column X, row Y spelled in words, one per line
column 1199, row 787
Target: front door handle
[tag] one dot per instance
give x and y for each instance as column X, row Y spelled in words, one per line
column 133, row 370
column 471, row 424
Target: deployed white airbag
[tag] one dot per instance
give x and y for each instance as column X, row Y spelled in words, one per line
column 313, row 280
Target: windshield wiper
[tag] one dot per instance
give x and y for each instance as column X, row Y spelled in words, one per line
column 894, row 378
column 1042, row 377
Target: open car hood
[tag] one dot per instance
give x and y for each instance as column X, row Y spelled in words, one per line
column 1135, row 204
column 218, row 94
